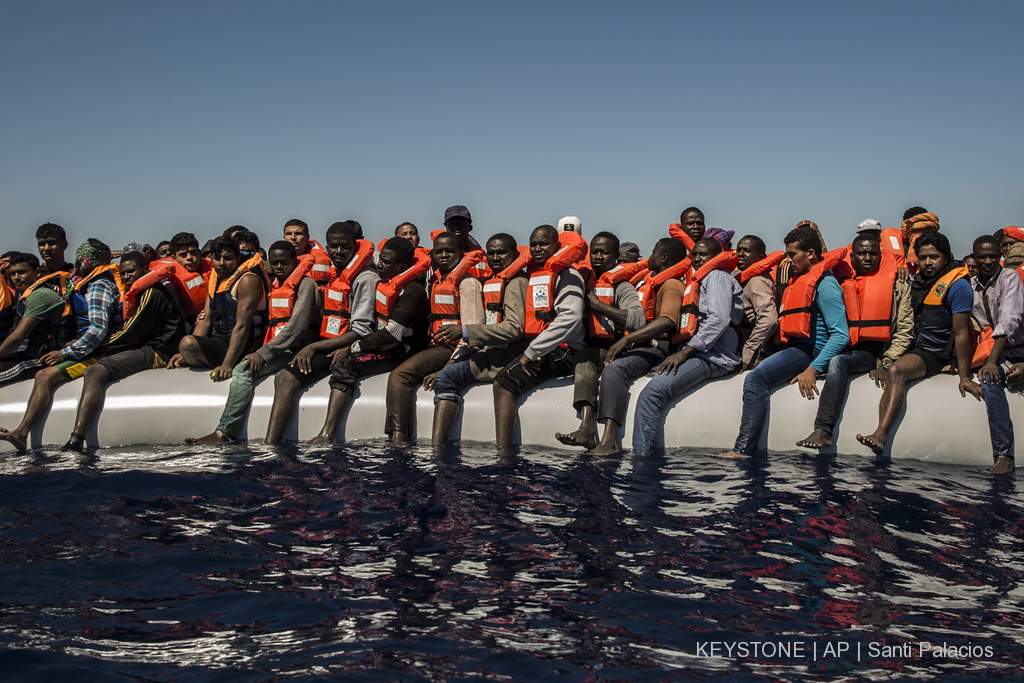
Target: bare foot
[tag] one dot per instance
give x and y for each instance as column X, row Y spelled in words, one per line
column 582, row 437
column 732, row 455
column 874, row 442
column 14, row 438
column 604, row 449
column 1004, row 465
column 216, row 437
column 321, row 439
column 819, row 438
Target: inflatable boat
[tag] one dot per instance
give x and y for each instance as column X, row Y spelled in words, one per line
column 164, row 407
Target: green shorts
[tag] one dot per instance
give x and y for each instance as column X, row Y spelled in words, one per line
column 73, row 369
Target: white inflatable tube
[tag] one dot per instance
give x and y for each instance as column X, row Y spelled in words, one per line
column 164, row 407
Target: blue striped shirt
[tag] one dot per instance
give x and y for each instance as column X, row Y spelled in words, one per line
column 721, row 301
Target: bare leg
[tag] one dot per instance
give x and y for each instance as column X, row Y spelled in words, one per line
column 336, row 405
column 504, row 417
column 584, row 435
column 819, row 438
column 286, row 388
column 609, row 440
column 191, row 354
column 906, row 369
column 445, row 413
column 92, row 397
column 46, row 380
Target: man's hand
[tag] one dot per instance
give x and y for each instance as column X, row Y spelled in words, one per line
column 339, row 355
column 448, row 334
column 808, row 383
column 221, row 373
column 255, row 363
column 989, row 373
column 672, row 363
column 902, row 274
column 880, row 375
column 52, row 358
column 176, row 361
column 593, row 300
column 968, row 385
column 1016, row 373
column 428, row 381
column 530, row 367
column 615, row 349
column 303, row 360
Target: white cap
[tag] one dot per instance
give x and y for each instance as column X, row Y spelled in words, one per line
column 570, row 224
column 869, row 224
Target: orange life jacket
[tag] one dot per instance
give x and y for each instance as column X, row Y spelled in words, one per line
column 480, row 270
column 648, row 291
column 641, row 273
column 676, row 230
column 690, row 315
column 494, row 287
column 445, row 301
column 282, row 298
column 869, row 302
column 335, row 319
column 388, row 292
column 195, row 284
column 158, row 272
column 599, row 326
column 891, row 240
column 795, row 312
column 1017, row 234
column 540, row 291
column 765, row 265
column 321, row 263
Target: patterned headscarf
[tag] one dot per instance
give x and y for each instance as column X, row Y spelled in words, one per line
column 723, row 237
column 87, row 259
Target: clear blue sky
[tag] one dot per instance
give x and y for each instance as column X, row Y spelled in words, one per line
column 135, row 120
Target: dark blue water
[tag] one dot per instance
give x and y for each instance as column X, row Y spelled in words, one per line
column 365, row 563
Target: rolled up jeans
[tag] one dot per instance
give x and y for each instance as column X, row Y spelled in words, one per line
column 997, row 408
column 452, row 381
column 659, row 392
column 772, row 372
column 837, row 382
column 241, row 391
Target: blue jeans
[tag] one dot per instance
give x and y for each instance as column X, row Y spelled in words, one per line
column 776, row 370
column 657, row 394
column 837, row 382
column 452, row 381
column 1000, row 427
column 618, row 377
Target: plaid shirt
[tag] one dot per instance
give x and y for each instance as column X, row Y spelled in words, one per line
column 101, row 297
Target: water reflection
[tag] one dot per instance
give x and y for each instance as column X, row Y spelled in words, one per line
column 384, row 563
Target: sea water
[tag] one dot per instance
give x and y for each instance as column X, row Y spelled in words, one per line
column 368, row 563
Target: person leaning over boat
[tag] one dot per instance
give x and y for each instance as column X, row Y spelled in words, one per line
column 999, row 310
column 553, row 323
column 297, row 232
column 148, row 339
column 612, row 309
column 52, row 242
column 942, row 299
column 455, row 298
column 812, row 324
column 293, row 311
column 760, row 310
column 402, row 319
column 38, row 311
column 348, row 302
column 494, row 344
column 234, row 315
column 712, row 308
column 95, row 279
column 662, row 293
column 881, row 324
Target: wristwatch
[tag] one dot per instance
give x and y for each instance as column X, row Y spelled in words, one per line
column 886, row 364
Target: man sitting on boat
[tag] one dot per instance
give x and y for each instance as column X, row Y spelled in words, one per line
column 999, row 310
column 402, row 316
column 347, row 317
column 613, row 309
column 812, row 325
column 293, row 310
column 495, row 343
column 942, row 299
column 96, row 280
column 234, row 314
column 760, row 307
column 881, row 324
column 148, row 339
column 38, row 312
column 553, row 323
